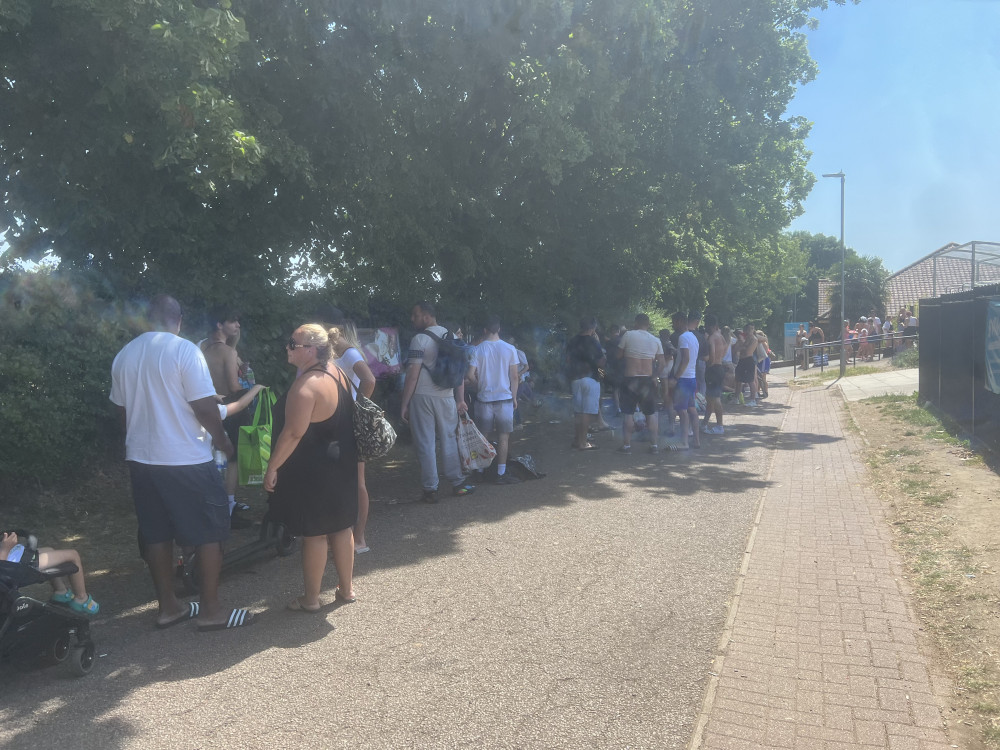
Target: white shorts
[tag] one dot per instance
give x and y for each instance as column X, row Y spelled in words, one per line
column 495, row 415
column 586, row 396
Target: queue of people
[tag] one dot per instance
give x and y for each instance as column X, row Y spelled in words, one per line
column 864, row 339
column 672, row 372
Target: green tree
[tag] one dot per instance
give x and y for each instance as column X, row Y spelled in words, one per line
column 529, row 156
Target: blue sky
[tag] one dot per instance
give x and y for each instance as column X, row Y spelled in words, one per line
column 907, row 104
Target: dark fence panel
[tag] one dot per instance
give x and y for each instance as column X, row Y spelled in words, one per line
column 955, row 364
column 953, row 331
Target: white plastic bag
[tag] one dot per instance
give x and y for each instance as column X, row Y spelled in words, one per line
column 474, row 450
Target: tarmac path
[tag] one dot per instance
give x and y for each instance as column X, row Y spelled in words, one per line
column 583, row 610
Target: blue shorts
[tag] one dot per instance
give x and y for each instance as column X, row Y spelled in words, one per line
column 684, row 393
column 586, row 396
column 183, row 503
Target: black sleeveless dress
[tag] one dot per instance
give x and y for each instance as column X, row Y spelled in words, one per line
column 315, row 494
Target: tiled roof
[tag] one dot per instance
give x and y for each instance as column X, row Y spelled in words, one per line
column 825, row 289
column 944, row 271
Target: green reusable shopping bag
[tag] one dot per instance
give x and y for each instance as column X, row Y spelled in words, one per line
column 254, row 449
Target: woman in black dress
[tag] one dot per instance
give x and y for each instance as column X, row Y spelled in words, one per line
column 313, row 470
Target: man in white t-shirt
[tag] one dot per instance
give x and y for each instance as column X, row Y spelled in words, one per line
column 163, row 388
column 431, row 411
column 494, row 370
column 686, row 386
column 643, row 355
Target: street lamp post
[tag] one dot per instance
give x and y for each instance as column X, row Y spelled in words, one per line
column 843, row 275
column 795, row 298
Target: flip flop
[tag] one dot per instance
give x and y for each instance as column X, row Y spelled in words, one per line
column 238, row 618
column 339, row 597
column 296, row 605
column 191, row 613
column 362, row 550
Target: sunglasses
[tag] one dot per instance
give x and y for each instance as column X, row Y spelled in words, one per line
column 293, row 346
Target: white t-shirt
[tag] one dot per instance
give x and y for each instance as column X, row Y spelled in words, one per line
column 423, row 351
column 346, row 363
column 155, row 377
column 492, row 360
column 522, row 360
column 641, row 344
column 689, row 341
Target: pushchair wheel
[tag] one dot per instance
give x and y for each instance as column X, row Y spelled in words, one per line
column 285, row 543
column 81, row 660
column 58, row 650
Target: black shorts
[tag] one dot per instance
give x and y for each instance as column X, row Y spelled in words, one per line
column 638, row 392
column 715, row 376
column 233, row 422
column 183, row 503
column 746, row 370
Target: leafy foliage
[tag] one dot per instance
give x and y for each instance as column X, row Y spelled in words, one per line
column 58, row 343
column 534, row 157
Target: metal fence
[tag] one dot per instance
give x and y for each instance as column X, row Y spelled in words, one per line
column 821, row 355
column 953, row 361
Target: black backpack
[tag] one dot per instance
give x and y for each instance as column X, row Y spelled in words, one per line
column 453, row 359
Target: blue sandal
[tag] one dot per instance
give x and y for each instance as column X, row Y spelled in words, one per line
column 89, row 607
column 64, row 598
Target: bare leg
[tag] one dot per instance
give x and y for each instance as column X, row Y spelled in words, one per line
column 209, row 569
column 582, row 425
column 48, row 557
column 693, row 420
column 160, row 559
column 503, row 446
column 359, row 527
column 314, row 555
column 232, row 477
column 684, row 415
column 628, row 424
column 653, row 425
column 343, row 561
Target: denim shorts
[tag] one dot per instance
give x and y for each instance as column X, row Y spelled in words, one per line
column 183, row 503
column 495, row 415
column 586, row 396
column 684, row 393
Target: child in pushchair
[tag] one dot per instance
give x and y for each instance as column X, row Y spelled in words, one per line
column 32, row 628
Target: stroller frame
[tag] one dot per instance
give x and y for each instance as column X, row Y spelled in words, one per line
column 32, row 630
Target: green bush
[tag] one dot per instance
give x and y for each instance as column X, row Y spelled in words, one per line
column 58, row 338
column 906, row 358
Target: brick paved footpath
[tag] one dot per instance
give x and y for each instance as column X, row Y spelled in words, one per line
column 820, row 648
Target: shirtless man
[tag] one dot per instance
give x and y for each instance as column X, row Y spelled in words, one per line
column 224, row 368
column 715, row 375
column 643, row 356
column 746, row 368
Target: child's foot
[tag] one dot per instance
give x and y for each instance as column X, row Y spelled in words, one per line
column 88, row 606
column 64, row 597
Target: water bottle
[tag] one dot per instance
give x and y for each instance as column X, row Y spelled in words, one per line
column 248, row 374
column 221, row 461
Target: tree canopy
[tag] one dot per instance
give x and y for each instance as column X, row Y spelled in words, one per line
column 536, row 157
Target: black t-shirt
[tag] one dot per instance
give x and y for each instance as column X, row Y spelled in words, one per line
column 583, row 354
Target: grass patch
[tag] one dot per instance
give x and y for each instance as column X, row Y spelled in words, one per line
column 935, row 499
column 833, row 373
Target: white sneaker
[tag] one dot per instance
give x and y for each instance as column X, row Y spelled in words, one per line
column 751, row 402
column 717, row 430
